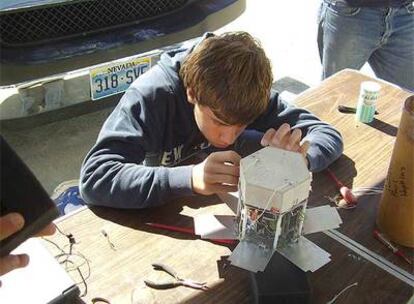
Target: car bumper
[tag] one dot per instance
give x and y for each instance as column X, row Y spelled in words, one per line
column 73, row 86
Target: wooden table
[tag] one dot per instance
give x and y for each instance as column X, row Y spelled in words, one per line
column 117, row 274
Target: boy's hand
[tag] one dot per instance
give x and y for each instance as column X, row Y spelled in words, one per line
column 10, row 224
column 219, row 172
column 285, row 138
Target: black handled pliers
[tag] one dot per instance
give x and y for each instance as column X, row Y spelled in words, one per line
column 345, row 109
column 174, row 283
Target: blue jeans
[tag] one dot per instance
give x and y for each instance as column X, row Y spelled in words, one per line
column 348, row 37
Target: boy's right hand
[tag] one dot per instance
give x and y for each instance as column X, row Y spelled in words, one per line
column 219, row 172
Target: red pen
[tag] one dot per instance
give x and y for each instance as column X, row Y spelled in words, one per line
column 188, row 230
column 394, row 249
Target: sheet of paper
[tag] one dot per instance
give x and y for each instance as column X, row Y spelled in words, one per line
column 250, row 256
column 210, row 226
column 321, row 218
column 41, row 281
column 306, row 255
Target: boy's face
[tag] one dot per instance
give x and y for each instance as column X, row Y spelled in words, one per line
column 217, row 132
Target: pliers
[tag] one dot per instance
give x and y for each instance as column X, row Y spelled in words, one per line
column 174, row 283
column 345, row 109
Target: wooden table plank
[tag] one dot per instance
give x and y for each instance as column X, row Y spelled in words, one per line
column 116, row 273
column 367, row 147
column 367, row 151
column 374, row 284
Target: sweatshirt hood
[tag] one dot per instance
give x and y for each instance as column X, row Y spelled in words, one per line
column 171, row 61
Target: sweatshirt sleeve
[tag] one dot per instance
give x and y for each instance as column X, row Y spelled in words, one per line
column 325, row 141
column 113, row 173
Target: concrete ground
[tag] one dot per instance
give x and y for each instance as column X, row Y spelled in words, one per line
column 287, row 30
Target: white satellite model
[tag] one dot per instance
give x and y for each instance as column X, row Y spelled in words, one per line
column 271, row 213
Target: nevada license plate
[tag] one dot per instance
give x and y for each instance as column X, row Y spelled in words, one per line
column 116, row 77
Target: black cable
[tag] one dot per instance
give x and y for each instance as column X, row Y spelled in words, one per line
column 68, row 257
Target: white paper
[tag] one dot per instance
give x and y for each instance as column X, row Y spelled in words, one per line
column 39, row 282
column 306, row 255
column 250, row 256
column 321, row 218
column 214, row 227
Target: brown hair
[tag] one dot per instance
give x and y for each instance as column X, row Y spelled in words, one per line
column 231, row 75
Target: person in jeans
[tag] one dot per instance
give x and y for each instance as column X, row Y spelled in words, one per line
column 353, row 32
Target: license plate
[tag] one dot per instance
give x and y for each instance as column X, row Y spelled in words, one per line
column 116, row 77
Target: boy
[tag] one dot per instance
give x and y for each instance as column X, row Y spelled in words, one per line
column 206, row 96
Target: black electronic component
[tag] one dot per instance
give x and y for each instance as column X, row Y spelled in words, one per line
column 21, row 192
column 281, row 282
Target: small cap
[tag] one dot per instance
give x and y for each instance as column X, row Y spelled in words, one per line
column 370, row 86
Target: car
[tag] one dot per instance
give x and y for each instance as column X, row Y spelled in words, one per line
column 57, row 54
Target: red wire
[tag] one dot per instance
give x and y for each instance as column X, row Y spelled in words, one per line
column 345, row 192
column 335, row 179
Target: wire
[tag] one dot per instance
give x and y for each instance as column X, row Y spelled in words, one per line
column 267, row 206
column 105, row 234
column 346, row 193
column 60, row 231
column 100, row 299
column 343, row 290
column 368, row 191
column 70, row 258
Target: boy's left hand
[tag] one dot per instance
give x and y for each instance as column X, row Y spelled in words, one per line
column 285, row 138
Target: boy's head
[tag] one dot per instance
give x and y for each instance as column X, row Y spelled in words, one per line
column 228, row 76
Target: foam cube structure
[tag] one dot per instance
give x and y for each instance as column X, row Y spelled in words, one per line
column 273, row 194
